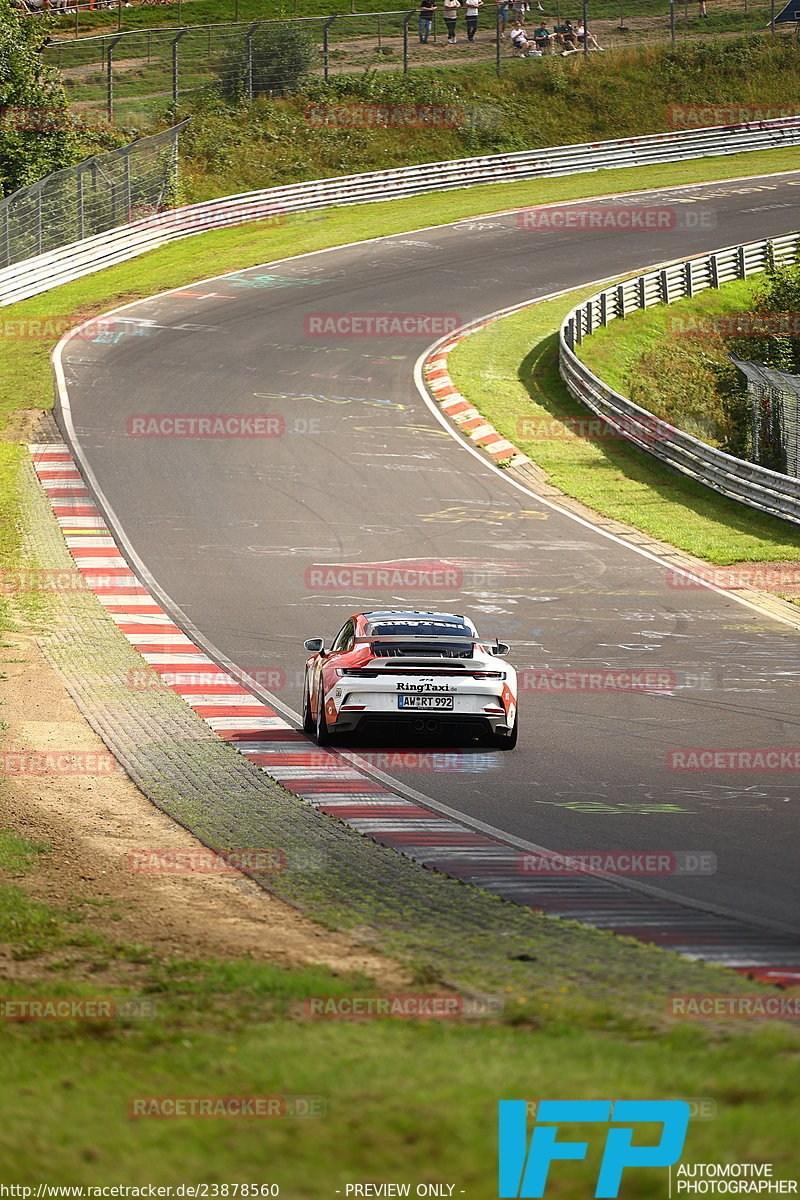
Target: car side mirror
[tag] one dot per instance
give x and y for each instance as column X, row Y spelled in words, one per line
column 315, row 645
column 501, row 648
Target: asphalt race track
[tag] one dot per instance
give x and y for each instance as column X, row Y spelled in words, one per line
column 232, row 529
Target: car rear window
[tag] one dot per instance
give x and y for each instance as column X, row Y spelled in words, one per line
column 432, row 630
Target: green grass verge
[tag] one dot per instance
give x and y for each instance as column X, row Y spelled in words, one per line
column 612, row 353
column 405, row 1101
column 518, row 388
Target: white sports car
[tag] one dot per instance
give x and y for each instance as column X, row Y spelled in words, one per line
column 404, row 671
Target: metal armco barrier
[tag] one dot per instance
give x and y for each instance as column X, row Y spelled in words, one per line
column 70, row 262
column 759, row 487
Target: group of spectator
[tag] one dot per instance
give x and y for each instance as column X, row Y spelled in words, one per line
column 65, row 6
column 565, row 38
column 511, row 13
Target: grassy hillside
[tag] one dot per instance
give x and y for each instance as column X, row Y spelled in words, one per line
column 538, row 103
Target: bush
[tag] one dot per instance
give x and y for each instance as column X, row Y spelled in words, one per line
column 283, row 56
column 30, row 95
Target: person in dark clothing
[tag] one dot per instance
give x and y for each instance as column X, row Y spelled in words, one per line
column 426, row 10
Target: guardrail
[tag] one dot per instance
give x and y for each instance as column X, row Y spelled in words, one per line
column 70, row 262
column 747, row 482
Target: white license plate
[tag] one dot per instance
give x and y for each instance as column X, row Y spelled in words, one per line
column 424, row 701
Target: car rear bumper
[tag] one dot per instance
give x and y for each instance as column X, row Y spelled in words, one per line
column 431, row 724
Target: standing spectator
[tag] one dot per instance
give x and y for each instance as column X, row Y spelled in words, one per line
column 502, row 17
column 451, row 8
column 702, row 12
column 471, row 13
column 426, row 10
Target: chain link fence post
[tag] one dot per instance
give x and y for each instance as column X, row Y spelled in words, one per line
column 175, row 41
column 326, row 24
column 498, row 49
column 79, row 203
column 406, row 19
column 110, row 78
column 249, row 40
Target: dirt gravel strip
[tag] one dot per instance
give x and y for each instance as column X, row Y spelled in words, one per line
column 203, row 755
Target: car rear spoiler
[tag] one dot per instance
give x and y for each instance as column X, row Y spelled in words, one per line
column 428, row 639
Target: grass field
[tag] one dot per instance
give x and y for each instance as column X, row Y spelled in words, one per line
column 403, row 1100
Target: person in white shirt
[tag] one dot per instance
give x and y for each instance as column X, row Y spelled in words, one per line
column 519, row 38
column 451, row 8
column 471, row 12
column 591, row 40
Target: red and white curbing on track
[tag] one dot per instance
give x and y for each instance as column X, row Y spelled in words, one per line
column 334, row 786
column 459, row 409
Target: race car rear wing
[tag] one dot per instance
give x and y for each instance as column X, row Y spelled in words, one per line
column 432, row 639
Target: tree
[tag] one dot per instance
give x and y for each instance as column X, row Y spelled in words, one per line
column 280, row 57
column 36, row 136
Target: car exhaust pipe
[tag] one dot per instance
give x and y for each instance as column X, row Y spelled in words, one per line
column 418, row 725
column 431, row 726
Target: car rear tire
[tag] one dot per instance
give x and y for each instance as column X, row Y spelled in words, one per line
column 507, row 741
column 322, row 734
column 308, row 718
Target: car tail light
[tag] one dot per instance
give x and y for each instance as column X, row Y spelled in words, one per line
column 357, row 671
column 488, row 674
